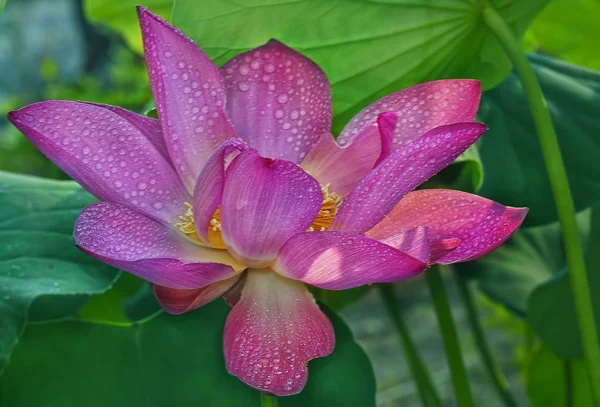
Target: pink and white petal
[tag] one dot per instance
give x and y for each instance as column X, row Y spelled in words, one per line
column 176, row 301
column 130, row 241
column 189, row 95
column 148, row 126
column 421, row 108
column 405, row 169
column 209, row 188
column 340, row 260
column 278, row 100
column 272, row 333
column 478, row 224
column 106, row 153
column 343, row 167
column 265, row 202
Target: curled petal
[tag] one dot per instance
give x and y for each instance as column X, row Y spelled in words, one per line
column 419, row 243
column 265, row 202
column 474, row 225
column 415, row 242
column 273, row 331
column 278, row 100
column 110, row 156
column 339, row 260
column 209, row 188
column 176, row 301
column 189, row 95
column 406, row 168
column 421, row 108
column 130, row 241
column 343, row 167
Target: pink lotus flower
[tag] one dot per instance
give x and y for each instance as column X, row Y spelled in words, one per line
column 241, row 172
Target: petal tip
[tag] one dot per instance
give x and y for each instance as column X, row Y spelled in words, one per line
column 13, row 116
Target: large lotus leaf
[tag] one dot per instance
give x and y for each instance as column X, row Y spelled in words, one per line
column 367, row 48
column 515, row 173
column 551, row 306
column 166, row 361
column 42, row 274
column 553, row 382
column 569, row 30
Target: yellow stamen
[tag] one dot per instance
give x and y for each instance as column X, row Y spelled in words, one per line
column 187, row 226
column 329, row 207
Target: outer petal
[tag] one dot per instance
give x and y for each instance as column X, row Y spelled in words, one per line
column 339, row 260
column 421, row 108
column 265, row 202
column 272, row 333
column 132, row 242
column 209, row 188
column 106, row 153
column 189, row 95
column 278, row 100
column 343, row 167
column 401, row 172
column 480, row 225
column 176, row 301
column 148, row 126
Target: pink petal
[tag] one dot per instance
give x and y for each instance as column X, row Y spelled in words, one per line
column 189, row 95
column 148, row 126
column 421, row 108
column 128, row 240
column 265, row 202
column 106, row 153
column 209, row 188
column 176, row 301
column 477, row 224
column 278, row 100
column 340, row 260
column 343, row 167
column 272, row 333
column 405, row 169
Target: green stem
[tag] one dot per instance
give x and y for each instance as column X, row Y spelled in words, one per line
column 267, row 401
column 427, row 392
column 451, row 345
column 561, row 191
column 482, row 345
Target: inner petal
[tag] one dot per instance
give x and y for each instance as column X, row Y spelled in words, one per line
column 329, row 207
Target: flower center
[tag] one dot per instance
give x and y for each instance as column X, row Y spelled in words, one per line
column 329, row 207
column 187, row 226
